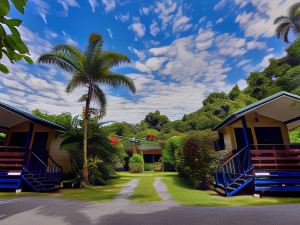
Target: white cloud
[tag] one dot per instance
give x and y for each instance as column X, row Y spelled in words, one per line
column 154, row 29
column 266, row 60
column 220, row 4
column 94, row 4
column 34, row 42
column 109, row 5
column 138, row 28
column 69, row 39
column 202, row 19
column 122, row 17
column 243, row 62
column 242, row 84
column 181, row 22
column 231, row 45
column 165, row 10
column 138, row 53
column 50, row 34
column 42, row 8
column 220, row 20
column 261, row 21
column 145, row 10
column 68, row 3
column 256, row 45
column 110, row 33
column 204, row 39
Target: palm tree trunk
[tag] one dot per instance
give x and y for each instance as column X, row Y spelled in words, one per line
column 85, row 139
column 85, row 160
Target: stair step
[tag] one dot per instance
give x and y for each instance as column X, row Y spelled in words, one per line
column 277, row 181
column 2, row 180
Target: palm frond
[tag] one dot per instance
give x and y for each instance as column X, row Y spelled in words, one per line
column 99, row 96
column 83, row 98
column 117, row 80
column 78, row 80
column 293, row 10
column 282, row 19
column 281, row 28
column 285, row 33
column 111, row 59
column 59, row 60
column 95, row 42
column 72, row 51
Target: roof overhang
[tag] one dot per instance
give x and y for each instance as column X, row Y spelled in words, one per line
column 283, row 106
column 10, row 116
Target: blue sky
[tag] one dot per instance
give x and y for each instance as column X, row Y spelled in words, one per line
column 180, row 50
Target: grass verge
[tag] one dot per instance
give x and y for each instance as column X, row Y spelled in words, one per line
column 103, row 193
column 145, row 191
column 185, row 194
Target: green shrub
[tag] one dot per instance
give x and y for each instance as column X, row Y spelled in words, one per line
column 158, row 167
column 136, row 163
column 148, row 167
column 198, row 161
column 95, row 176
column 295, row 135
column 172, row 153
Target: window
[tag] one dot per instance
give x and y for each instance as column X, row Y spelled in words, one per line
column 268, row 135
column 18, row 139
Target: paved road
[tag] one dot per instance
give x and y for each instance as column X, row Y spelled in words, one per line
column 51, row 211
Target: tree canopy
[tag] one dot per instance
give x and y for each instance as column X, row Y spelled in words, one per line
column 12, row 45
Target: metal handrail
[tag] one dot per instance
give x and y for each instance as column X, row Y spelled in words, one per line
column 234, row 168
column 51, row 168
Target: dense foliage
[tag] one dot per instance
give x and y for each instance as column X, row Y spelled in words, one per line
column 103, row 158
column 295, row 136
column 11, row 43
column 198, row 160
column 136, row 163
column 172, row 152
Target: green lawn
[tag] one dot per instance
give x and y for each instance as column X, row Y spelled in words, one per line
column 181, row 191
column 145, row 191
column 184, row 194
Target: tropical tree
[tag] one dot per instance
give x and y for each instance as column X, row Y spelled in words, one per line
column 11, row 43
column 287, row 23
column 90, row 68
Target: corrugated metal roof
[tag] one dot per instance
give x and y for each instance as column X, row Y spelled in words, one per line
column 238, row 114
column 31, row 117
column 149, row 146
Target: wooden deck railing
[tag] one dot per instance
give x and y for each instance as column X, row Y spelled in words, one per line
column 276, row 157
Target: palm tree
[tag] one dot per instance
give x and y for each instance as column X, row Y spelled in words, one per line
column 89, row 68
column 286, row 23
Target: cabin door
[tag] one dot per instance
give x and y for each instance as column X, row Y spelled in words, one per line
column 39, row 144
column 240, row 138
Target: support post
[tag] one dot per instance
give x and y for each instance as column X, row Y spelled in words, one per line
column 27, row 144
column 29, row 136
column 245, row 131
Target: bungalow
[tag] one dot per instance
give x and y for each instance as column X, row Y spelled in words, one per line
column 262, row 155
column 30, row 155
column 151, row 151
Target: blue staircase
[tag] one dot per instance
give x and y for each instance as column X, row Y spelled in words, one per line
column 18, row 168
column 39, row 175
column 235, row 174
